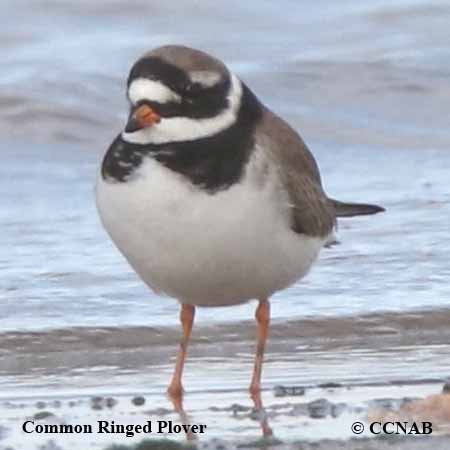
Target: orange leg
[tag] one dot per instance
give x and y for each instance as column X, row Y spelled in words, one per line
column 262, row 317
column 177, row 403
column 264, row 423
column 175, row 389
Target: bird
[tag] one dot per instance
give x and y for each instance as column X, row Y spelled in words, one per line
column 211, row 197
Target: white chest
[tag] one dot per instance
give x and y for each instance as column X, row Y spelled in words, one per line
column 205, row 249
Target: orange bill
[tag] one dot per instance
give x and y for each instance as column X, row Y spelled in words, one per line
column 145, row 117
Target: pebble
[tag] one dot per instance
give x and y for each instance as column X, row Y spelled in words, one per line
column 446, row 388
column 319, row 409
column 283, row 391
column 237, row 408
column 234, row 408
column 138, row 400
column 110, row 402
column 43, row 415
column 330, row 385
column 97, row 403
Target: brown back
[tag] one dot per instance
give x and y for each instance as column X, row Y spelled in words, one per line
column 312, row 213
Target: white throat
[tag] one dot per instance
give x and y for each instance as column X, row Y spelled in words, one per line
column 176, row 129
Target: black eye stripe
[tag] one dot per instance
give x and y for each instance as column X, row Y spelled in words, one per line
column 169, row 109
column 194, row 88
column 176, row 79
column 195, row 109
column 156, row 69
column 197, row 101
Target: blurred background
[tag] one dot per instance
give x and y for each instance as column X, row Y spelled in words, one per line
column 367, row 84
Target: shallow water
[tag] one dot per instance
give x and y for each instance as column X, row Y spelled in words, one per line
column 320, row 376
column 412, row 348
column 367, row 85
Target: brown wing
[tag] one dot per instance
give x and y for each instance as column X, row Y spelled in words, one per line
column 312, row 213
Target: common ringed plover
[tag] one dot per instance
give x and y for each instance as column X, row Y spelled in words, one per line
column 211, row 197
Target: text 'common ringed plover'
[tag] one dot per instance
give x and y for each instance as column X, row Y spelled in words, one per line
column 211, row 197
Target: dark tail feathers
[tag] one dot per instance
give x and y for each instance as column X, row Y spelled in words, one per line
column 354, row 209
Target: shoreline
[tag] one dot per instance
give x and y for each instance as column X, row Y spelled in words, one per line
column 317, row 417
column 320, row 376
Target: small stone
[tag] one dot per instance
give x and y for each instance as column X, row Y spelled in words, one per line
column 111, row 402
column 283, row 391
column 138, row 400
column 319, row 409
column 41, row 405
column 330, row 385
column 237, row 408
column 446, row 388
column 43, row 415
column 97, row 402
column 295, row 390
column 279, row 391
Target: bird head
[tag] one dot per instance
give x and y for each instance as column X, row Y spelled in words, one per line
column 179, row 94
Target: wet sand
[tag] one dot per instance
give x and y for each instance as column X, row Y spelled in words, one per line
column 320, row 376
column 321, row 419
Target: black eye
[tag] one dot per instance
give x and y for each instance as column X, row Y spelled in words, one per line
column 192, row 89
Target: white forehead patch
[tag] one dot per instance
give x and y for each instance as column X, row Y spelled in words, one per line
column 145, row 89
column 206, row 78
column 177, row 129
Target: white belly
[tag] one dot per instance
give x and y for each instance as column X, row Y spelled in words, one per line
column 205, row 249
